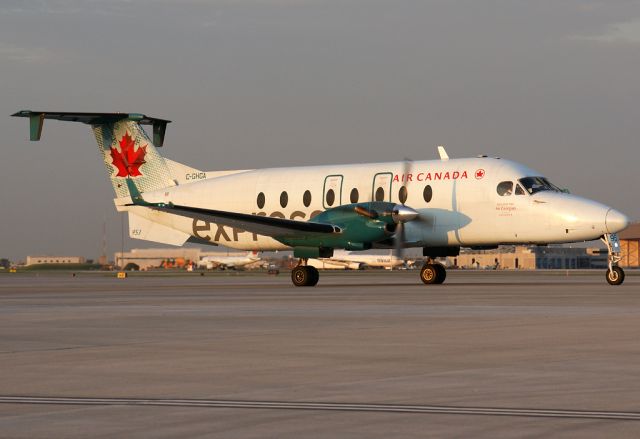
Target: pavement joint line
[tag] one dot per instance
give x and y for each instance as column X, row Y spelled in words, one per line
column 293, row 405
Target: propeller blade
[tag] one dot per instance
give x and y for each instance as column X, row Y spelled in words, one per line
column 360, row 210
column 399, row 241
column 407, row 169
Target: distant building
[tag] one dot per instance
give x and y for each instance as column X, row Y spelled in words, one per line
column 569, row 258
column 504, row 257
column 173, row 257
column 629, row 245
column 530, row 258
column 145, row 258
column 34, row 260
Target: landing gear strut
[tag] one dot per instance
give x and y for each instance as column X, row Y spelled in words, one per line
column 304, row 275
column 615, row 274
column 433, row 273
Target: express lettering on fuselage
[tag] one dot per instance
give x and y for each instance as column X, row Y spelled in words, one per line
column 199, row 226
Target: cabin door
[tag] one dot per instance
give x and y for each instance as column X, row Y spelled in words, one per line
column 332, row 192
column 381, row 189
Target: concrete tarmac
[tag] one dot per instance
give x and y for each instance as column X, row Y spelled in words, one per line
column 364, row 354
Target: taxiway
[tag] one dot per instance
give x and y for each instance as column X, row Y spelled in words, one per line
column 366, row 354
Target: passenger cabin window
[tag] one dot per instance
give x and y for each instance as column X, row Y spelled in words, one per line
column 402, row 194
column 505, row 188
column 306, row 198
column 331, row 197
column 354, row 196
column 284, row 199
column 380, row 194
column 260, row 200
column 427, row 193
column 538, row 184
column 519, row 190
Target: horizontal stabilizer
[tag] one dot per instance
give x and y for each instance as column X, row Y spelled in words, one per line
column 36, row 119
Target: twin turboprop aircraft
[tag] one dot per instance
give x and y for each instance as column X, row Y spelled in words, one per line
column 438, row 205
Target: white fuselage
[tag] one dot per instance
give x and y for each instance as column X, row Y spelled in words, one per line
column 458, row 201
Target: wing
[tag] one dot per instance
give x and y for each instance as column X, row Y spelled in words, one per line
column 262, row 225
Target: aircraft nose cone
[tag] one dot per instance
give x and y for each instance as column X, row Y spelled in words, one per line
column 403, row 213
column 616, row 221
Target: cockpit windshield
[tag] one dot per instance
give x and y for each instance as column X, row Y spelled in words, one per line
column 538, row 184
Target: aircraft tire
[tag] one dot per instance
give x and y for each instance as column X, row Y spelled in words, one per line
column 304, row 276
column 615, row 276
column 429, row 274
column 441, row 273
column 315, row 276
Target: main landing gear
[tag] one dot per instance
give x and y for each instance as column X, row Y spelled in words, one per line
column 304, row 275
column 615, row 274
column 433, row 273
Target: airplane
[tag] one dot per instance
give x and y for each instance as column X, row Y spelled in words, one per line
column 354, row 261
column 331, row 264
column 438, row 205
column 224, row 262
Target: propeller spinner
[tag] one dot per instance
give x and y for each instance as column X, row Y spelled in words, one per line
column 402, row 214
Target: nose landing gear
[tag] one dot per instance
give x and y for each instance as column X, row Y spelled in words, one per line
column 615, row 274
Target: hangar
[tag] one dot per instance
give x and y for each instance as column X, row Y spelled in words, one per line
column 531, row 258
column 629, row 243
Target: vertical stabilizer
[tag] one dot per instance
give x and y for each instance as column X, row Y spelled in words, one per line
column 129, row 153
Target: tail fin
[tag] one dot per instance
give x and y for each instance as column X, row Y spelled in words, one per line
column 126, row 149
column 129, row 153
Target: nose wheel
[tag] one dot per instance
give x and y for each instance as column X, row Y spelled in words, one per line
column 433, row 273
column 305, row 276
column 615, row 274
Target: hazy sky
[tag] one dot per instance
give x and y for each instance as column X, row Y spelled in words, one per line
column 257, row 83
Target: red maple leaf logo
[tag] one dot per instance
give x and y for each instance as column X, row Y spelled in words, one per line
column 479, row 174
column 128, row 160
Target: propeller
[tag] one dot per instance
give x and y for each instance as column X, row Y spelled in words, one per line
column 400, row 213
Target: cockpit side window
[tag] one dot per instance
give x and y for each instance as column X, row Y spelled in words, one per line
column 553, row 186
column 538, row 184
column 505, row 188
column 519, row 190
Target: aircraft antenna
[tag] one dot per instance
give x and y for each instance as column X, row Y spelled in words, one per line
column 443, row 153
